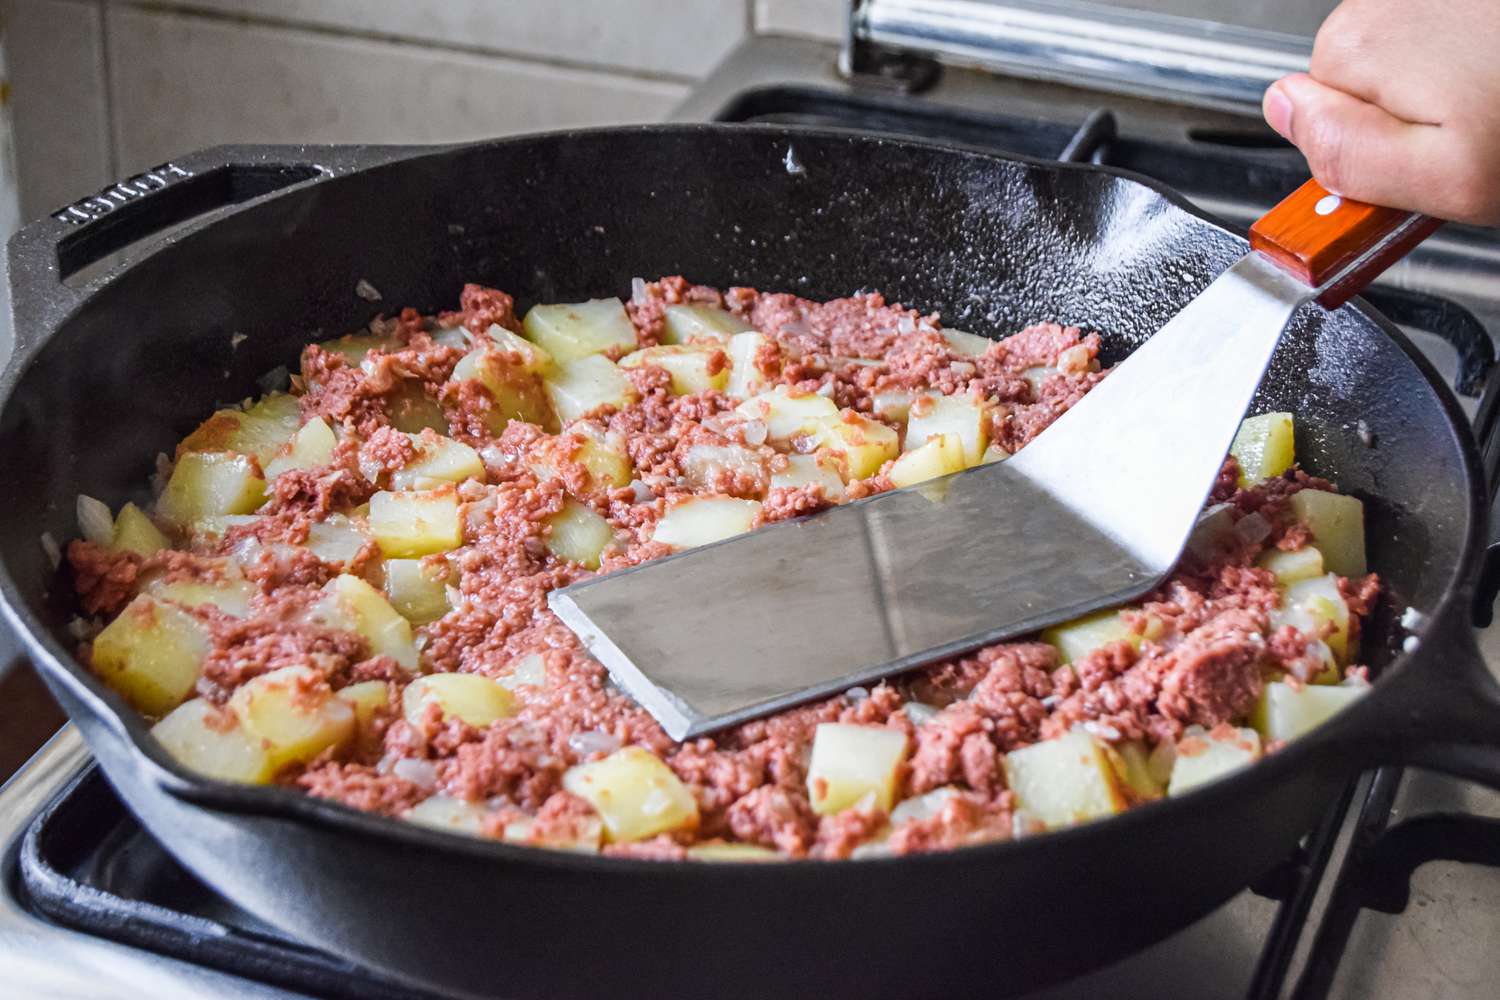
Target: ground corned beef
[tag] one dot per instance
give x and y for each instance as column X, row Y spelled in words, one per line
column 1206, row 646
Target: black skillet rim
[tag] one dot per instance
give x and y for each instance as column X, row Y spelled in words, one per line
column 272, row 801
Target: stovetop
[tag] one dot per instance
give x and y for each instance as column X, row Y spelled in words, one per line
column 1395, row 895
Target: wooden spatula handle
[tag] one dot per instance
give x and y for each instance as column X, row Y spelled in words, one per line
column 1336, row 244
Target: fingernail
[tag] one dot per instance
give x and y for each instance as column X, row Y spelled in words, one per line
column 1278, row 111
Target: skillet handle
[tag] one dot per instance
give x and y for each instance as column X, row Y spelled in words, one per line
column 1441, row 709
column 1336, row 245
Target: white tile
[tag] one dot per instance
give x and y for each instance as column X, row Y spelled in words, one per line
column 54, row 49
column 684, row 38
column 810, row 18
column 181, row 83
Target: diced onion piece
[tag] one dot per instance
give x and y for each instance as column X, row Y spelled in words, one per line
column 578, row 388
column 894, row 405
column 205, row 483
column 1312, row 606
column 1203, row 757
column 704, row 519
column 356, row 347
column 534, row 358
column 95, row 523
column 473, row 699
column 527, row 671
column 572, row 331
column 1132, row 766
column 1078, row 638
column 940, row 456
column 231, row 595
column 850, row 762
column 1264, row 447
column 294, row 713
column 920, row 807
column 992, row 454
column 135, row 532
column 336, row 539
column 863, row 445
column 706, row 465
column 1337, row 524
column 578, row 534
column 411, row 524
column 693, row 368
column 969, row 345
column 387, row 632
column 212, row 742
column 417, row 589
column 720, row 851
column 151, row 654
column 1064, row 781
column 686, row 323
column 635, row 794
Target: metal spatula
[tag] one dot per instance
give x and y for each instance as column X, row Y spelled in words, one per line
column 744, row 627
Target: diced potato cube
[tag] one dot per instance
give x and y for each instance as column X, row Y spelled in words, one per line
column 1264, row 447
column 417, row 589
column 534, row 357
column 151, row 654
column 704, row 519
column 578, row 534
column 366, row 698
column 635, row 794
column 940, row 456
column 259, row 431
column 787, row 415
column 135, row 532
column 569, row 332
column 1064, row 781
column 1203, row 757
column 444, row 812
column 355, row 347
column 1309, row 606
column 583, row 836
column 1289, row 567
column 205, row 483
column 746, row 377
column 211, row 741
column 1286, row 712
column 411, row 524
column 580, row 387
column 439, row 460
column 455, row 337
column 850, row 762
column 311, row 447
column 933, row 413
column 412, row 410
column 605, row 458
column 719, row 851
column 864, row 445
column 818, row 469
column 1081, row 636
column 683, row 324
column 894, row 406
column 294, row 713
column 969, row 345
column 515, row 393
column 231, row 595
column 470, row 698
column 336, row 539
column 693, row 369
column 382, row 626
column 1337, row 524
column 708, row 466
column 1132, row 764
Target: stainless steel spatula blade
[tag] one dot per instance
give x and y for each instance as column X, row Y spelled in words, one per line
column 1093, row 513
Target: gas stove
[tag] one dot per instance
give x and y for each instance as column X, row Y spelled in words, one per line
column 1395, row 894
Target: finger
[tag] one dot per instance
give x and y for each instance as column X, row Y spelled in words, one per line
column 1360, row 151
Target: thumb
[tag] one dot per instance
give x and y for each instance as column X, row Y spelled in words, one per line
column 1358, row 149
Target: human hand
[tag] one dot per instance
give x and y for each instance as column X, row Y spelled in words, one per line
column 1402, row 107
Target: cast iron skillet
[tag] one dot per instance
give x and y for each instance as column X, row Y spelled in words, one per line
column 107, row 374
